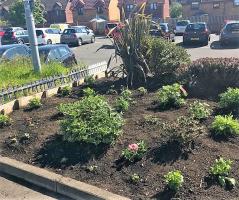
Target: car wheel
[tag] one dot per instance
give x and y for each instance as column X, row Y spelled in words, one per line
column 49, row 42
column 20, row 41
column 93, row 39
column 79, row 42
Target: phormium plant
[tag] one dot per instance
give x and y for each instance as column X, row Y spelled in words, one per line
column 225, row 126
column 199, row 110
column 171, row 96
column 221, row 170
column 90, row 120
column 134, row 151
column 4, row 120
column 35, row 103
column 174, row 180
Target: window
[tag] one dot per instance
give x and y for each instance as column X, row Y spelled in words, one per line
column 216, row 5
column 81, row 11
column 54, row 55
column 236, row 2
column 129, row 7
column 153, row 6
column 83, row 30
column 195, row 5
column 100, row 10
column 49, row 31
column 63, row 51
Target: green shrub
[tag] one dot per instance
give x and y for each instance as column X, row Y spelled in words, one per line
column 225, row 126
column 221, row 170
column 35, row 103
column 65, row 91
column 122, row 105
column 126, row 94
column 208, row 77
column 142, row 91
column 134, row 178
column 174, row 180
column 199, row 110
column 165, row 58
column 89, row 80
column 134, row 151
column 90, row 120
column 230, row 100
column 89, row 92
column 170, row 96
column 4, row 120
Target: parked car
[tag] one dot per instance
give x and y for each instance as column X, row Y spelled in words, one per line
column 181, row 26
column 162, row 30
column 15, row 37
column 60, row 27
column 58, row 53
column 230, row 33
column 48, row 36
column 87, row 28
column 9, row 52
column 196, row 32
column 77, row 36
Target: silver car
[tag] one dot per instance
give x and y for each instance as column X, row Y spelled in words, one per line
column 77, row 36
column 230, row 33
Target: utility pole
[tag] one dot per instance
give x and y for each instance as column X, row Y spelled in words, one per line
column 29, row 5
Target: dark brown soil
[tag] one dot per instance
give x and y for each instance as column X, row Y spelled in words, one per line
column 46, row 149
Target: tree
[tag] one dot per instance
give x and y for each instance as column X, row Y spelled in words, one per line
column 176, row 10
column 17, row 13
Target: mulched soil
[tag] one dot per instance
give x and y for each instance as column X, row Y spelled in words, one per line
column 46, row 149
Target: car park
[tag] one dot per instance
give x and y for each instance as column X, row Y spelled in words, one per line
column 196, row 33
column 15, row 37
column 57, row 53
column 77, row 36
column 48, row 36
column 9, row 52
column 230, row 33
column 181, row 26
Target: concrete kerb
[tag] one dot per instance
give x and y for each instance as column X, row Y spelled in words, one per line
column 54, row 182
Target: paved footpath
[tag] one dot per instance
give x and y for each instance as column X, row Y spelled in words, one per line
column 18, row 190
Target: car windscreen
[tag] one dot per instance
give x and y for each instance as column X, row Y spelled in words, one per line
column 232, row 27
column 39, row 33
column 163, row 27
column 69, row 31
column 182, row 23
column 195, row 27
column 110, row 26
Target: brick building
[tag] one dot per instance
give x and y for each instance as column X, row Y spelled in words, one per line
column 210, row 8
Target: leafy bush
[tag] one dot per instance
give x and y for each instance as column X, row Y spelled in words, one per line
column 165, row 58
column 89, row 92
column 35, row 103
column 230, row 100
column 90, row 120
column 182, row 132
column 65, row 91
column 126, row 94
column 171, row 96
column 174, row 179
column 4, row 120
column 225, row 126
column 89, row 80
column 134, row 151
column 142, row 91
column 135, row 178
column 122, row 105
column 208, row 77
column 199, row 110
column 221, row 170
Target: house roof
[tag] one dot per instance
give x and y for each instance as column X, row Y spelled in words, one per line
column 89, row 4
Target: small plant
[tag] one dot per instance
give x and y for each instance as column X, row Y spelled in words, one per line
column 142, row 91
column 126, row 94
column 65, row 91
column 112, row 91
column 134, row 178
column 151, row 120
column 134, row 151
column 171, row 96
column 35, row 103
column 225, row 126
column 89, row 92
column 229, row 100
column 122, row 105
column 4, row 120
column 174, row 180
column 221, row 170
column 199, row 110
column 92, row 168
column 89, row 80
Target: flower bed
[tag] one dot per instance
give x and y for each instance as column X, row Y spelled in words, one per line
column 139, row 160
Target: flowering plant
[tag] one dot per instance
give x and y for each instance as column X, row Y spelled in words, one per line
column 134, row 151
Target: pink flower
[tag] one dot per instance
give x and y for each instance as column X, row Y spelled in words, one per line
column 133, row 147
